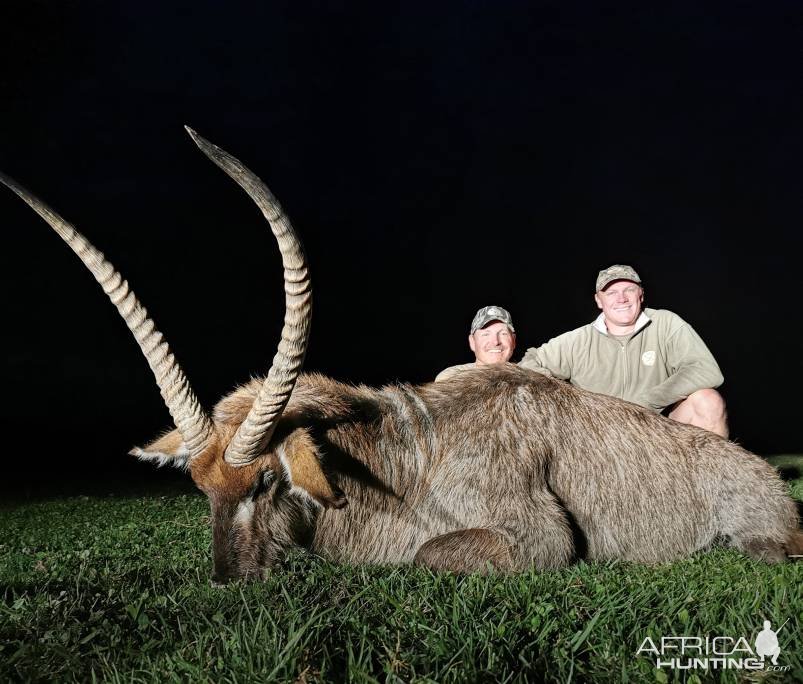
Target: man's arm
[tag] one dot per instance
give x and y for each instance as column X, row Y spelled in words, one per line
column 552, row 358
column 691, row 366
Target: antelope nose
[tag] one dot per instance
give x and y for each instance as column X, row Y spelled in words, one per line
column 219, row 579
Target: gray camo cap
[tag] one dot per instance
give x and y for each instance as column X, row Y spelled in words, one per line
column 491, row 313
column 616, row 272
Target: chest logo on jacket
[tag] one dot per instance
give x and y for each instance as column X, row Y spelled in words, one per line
column 648, row 358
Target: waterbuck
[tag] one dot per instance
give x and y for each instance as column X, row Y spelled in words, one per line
column 499, row 467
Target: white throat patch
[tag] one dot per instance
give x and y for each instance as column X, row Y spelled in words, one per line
column 245, row 511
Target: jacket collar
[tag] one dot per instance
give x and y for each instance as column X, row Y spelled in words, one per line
column 599, row 323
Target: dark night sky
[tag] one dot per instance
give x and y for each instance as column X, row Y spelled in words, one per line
column 434, row 157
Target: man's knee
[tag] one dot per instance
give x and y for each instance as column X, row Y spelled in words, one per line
column 704, row 408
column 708, row 404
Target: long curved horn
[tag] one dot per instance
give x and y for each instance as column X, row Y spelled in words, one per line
column 188, row 416
column 258, row 426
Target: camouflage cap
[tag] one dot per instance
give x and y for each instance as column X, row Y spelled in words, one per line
column 491, row 313
column 616, row 272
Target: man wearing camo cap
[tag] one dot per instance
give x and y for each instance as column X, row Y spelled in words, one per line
column 491, row 337
column 651, row 357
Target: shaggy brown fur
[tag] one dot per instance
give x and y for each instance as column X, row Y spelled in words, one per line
column 499, row 467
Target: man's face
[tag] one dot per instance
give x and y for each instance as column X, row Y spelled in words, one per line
column 620, row 302
column 493, row 344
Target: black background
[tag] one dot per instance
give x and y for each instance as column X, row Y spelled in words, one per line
column 434, row 157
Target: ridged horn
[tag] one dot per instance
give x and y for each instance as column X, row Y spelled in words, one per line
column 257, row 428
column 188, row 416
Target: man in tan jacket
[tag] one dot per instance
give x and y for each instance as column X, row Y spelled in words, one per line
column 646, row 356
column 492, row 339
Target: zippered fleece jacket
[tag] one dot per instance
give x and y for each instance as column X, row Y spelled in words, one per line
column 663, row 362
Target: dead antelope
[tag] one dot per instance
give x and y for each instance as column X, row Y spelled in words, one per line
column 501, row 466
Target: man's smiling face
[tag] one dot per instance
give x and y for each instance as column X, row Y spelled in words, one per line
column 620, row 302
column 493, row 344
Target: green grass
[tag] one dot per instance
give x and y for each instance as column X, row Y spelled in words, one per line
column 112, row 589
column 791, row 467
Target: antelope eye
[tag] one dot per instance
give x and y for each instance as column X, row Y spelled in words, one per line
column 262, row 484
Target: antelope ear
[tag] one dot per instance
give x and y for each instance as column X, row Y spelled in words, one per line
column 300, row 458
column 169, row 449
